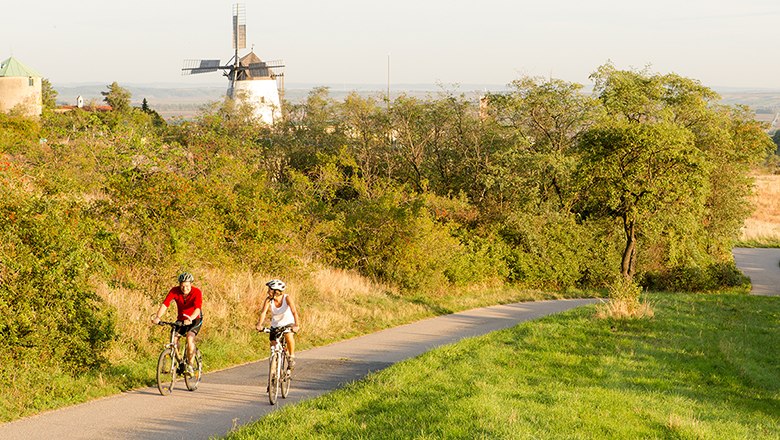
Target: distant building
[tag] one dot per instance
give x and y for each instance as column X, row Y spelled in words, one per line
column 258, row 88
column 20, row 88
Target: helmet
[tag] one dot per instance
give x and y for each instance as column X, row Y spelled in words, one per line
column 186, row 277
column 276, row 285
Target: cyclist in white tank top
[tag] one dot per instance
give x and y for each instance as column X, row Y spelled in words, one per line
column 283, row 314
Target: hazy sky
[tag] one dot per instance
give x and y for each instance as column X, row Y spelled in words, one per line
column 332, row 42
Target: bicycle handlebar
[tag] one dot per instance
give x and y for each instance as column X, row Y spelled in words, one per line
column 176, row 324
column 287, row 329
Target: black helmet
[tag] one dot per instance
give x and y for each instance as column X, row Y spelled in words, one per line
column 186, row 277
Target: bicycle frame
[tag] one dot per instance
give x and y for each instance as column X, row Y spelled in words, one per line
column 174, row 342
column 279, row 374
column 172, row 363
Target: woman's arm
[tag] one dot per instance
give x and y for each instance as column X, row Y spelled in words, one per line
column 294, row 310
column 263, row 312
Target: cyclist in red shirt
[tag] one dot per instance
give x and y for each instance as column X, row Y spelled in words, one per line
column 189, row 300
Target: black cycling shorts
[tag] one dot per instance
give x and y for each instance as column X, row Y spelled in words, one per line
column 276, row 332
column 194, row 327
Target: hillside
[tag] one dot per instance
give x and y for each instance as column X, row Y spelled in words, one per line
column 376, row 214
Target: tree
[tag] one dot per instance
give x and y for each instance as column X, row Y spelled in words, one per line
column 651, row 162
column 157, row 120
column 48, row 94
column 117, row 97
column 633, row 172
column 776, row 139
column 546, row 117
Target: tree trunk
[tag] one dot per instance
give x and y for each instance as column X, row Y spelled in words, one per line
column 627, row 265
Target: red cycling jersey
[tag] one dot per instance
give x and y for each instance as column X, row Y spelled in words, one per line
column 185, row 306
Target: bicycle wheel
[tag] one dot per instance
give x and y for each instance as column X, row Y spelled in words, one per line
column 193, row 381
column 273, row 378
column 286, row 376
column 166, row 372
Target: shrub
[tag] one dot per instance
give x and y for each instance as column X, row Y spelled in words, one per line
column 552, row 250
column 695, row 278
column 624, row 302
column 48, row 312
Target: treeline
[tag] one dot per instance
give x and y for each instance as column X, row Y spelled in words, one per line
column 545, row 186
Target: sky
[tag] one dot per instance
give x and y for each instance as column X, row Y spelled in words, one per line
column 447, row 42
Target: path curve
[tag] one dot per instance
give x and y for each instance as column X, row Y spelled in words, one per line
column 233, row 396
column 763, row 268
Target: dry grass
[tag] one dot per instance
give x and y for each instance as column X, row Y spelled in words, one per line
column 623, row 308
column 765, row 221
column 624, row 302
column 333, row 304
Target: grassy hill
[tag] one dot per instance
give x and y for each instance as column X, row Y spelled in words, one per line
column 705, row 367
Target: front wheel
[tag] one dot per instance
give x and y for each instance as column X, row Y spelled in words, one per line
column 273, row 378
column 166, row 372
column 286, row 376
column 193, row 381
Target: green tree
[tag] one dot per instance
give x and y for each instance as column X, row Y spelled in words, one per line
column 117, row 97
column 545, row 118
column 48, row 94
column 634, row 172
column 157, row 120
column 650, row 164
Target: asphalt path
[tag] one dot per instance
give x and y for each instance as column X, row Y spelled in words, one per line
column 236, row 396
column 763, row 268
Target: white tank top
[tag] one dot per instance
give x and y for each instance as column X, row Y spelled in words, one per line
column 282, row 315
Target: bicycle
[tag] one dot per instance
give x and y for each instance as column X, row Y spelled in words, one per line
column 171, row 363
column 279, row 373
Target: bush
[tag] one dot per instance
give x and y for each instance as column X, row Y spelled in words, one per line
column 483, row 259
column 552, row 250
column 390, row 237
column 695, row 279
column 624, row 302
column 48, row 313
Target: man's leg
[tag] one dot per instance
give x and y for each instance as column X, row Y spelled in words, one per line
column 190, row 347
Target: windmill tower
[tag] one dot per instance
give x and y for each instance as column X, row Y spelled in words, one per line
column 252, row 80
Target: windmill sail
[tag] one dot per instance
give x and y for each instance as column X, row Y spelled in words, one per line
column 239, row 27
column 192, row 67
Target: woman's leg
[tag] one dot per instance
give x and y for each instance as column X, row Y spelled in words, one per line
column 290, row 343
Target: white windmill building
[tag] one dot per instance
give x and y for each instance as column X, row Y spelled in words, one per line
column 252, row 80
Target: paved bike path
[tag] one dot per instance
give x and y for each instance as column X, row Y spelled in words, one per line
column 763, row 268
column 236, row 396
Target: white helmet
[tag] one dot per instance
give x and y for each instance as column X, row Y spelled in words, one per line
column 276, row 285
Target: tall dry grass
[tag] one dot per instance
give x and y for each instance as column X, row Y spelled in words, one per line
column 333, row 304
column 764, row 223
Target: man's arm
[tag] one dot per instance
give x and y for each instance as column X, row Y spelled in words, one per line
column 160, row 312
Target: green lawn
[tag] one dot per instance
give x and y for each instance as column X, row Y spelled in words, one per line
column 706, row 366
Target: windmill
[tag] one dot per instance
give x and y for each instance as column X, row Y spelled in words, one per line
column 251, row 80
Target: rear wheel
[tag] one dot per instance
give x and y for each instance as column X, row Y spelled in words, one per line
column 286, row 375
column 273, row 378
column 194, row 380
column 166, row 372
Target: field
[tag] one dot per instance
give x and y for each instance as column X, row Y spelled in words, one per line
column 764, row 225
